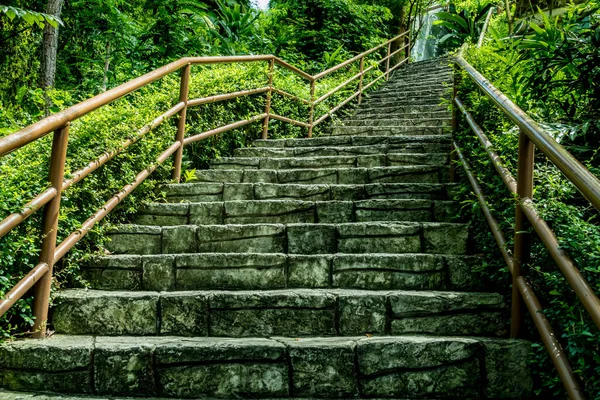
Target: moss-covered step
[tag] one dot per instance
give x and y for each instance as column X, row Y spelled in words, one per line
column 415, row 114
column 259, row 271
column 296, row 211
column 339, row 176
column 320, row 162
column 388, row 130
column 208, row 192
column 394, row 141
column 288, row 312
column 338, row 367
column 400, row 108
column 321, row 151
column 356, row 238
column 399, row 122
column 408, row 98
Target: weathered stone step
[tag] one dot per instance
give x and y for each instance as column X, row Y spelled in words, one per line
column 327, row 151
column 416, row 115
column 356, row 238
column 400, row 108
column 394, row 141
column 410, row 91
column 206, row 192
column 336, row 367
column 296, row 211
column 398, row 122
column 424, row 83
column 346, row 161
column 390, row 130
column 435, row 73
column 407, row 100
column 255, row 271
column 414, row 97
column 344, row 176
column 287, row 312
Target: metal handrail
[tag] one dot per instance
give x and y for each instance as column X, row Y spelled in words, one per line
column 531, row 136
column 40, row 276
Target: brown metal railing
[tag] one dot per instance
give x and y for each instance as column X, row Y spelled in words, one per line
column 531, row 136
column 40, row 276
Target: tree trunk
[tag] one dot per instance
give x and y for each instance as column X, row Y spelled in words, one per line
column 49, row 46
column 106, row 67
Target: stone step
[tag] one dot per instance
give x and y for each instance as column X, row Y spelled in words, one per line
column 420, row 84
column 296, row 211
column 398, row 122
column 435, row 73
column 344, row 176
column 408, row 97
column 328, row 151
column 286, row 312
column 409, row 101
column 355, row 238
column 413, row 115
column 346, row 161
column 206, row 192
column 389, row 130
column 335, row 367
column 411, row 91
column 394, row 141
column 256, row 271
column 400, row 108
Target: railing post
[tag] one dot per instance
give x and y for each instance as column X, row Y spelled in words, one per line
column 265, row 132
column 311, row 116
column 521, row 249
column 387, row 64
column 407, row 51
column 183, row 97
column 50, row 226
column 360, row 83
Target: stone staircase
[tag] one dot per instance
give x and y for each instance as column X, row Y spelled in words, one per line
column 331, row 267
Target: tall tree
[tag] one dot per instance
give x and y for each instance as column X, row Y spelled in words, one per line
column 50, row 45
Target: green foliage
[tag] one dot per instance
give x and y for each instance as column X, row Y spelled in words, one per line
column 544, row 71
column 464, row 25
column 30, row 17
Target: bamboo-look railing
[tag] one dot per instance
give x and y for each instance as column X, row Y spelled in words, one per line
column 531, row 136
column 39, row 278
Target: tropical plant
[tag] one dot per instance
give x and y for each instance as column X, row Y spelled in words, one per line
column 30, row 17
column 462, row 26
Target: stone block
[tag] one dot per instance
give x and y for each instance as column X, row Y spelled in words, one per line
column 193, row 192
column 332, row 212
column 179, row 239
column 222, row 368
column 135, row 239
column 59, row 364
column 415, row 366
column 255, row 176
column 462, row 273
column 271, row 211
column 379, row 238
column 362, row 312
column 231, row 271
column 264, row 314
column 163, row 214
column 259, row 238
column 393, row 210
column 311, row 239
column 352, row 176
column 323, row 367
column 124, row 366
column 388, row 271
column 238, row 191
column 122, row 272
column 184, row 313
column 442, row 238
column 206, row 213
column 158, row 272
column 308, row 176
column 406, row 174
column 308, row 271
column 85, row 312
column 219, row 175
column 292, row 191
